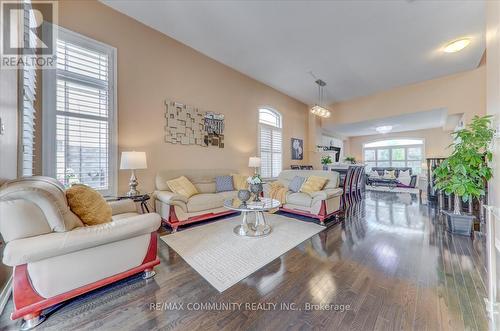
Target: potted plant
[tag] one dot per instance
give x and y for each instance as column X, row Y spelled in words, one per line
column 325, row 161
column 350, row 159
column 466, row 171
column 255, row 182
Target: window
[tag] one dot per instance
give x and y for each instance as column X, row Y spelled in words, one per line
column 270, row 143
column 81, row 114
column 394, row 153
column 27, row 104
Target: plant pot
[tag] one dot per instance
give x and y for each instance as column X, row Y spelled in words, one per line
column 325, row 166
column 244, row 196
column 460, row 224
column 256, row 189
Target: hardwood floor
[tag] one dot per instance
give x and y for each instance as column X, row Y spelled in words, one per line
column 390, row 261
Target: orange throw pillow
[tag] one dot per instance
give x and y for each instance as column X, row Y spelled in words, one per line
column 88, row 205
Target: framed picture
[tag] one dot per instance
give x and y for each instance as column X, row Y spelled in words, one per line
column 297, row 149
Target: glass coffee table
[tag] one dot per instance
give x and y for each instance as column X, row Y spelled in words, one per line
column 260, row 227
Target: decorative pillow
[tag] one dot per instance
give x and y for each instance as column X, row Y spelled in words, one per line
column 404, row 173
column 224, row 183
column 296, row 184
column 88, row 205
column 240, row 182
column 182, row 186
column 389, row 174
column 313, row 184
column 374, row 174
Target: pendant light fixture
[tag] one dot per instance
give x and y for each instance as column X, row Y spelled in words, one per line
column 318, row 109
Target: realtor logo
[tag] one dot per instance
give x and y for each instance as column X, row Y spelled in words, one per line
column 28, row 34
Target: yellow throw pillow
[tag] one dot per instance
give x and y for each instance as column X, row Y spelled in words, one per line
column 390, row 174
column 182, row 186
column 88, row 205
column 240, row 182
column 313, row 184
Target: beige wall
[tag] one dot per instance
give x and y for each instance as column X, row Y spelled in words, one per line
column 436, row 142
column 460, row 93
column 153, row 67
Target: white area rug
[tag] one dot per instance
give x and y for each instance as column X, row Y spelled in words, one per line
column 224, row 259
column 393, row 189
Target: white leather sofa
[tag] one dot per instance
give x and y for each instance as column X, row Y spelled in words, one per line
column 320, row 205
column 176, row 210
column 55, row 257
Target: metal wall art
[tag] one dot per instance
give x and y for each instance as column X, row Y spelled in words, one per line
column 188, row 125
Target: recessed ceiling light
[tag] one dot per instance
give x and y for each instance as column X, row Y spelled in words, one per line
column 383, row 129
column 456, row 45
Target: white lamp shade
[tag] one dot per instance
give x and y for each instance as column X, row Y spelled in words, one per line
column 133, row 160
column 254, row 162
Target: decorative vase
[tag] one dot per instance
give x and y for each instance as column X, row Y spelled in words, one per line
column 325, row 166
column 244, row 196
column 256, row 189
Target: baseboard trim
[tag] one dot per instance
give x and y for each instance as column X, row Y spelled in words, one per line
column 5, row 294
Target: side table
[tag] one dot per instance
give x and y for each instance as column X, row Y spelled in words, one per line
column 143, row 199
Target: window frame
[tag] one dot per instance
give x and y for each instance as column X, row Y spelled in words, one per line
column 265, row 125
column 390, row 148
column 21, row 160
column 49, row 115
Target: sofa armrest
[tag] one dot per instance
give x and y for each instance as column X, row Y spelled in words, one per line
column 413, row 181
column 122, row 206
column 170, row 197
column 53, row 244
column 327, row 194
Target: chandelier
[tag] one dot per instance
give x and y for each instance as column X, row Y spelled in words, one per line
column 318, row 109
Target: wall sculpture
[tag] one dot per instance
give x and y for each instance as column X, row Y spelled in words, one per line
column 188, row 125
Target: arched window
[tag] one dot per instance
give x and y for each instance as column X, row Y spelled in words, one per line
column 394, row 153
column 270, row 142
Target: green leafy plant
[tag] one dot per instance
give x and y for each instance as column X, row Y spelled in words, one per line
column 350, row 159
column 466, row 171
column 326, row 160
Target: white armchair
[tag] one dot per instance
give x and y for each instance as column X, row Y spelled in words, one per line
column 55, row 257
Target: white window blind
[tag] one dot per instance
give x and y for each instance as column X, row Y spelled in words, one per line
column 84, row 118
column 28, row 74
column 270, row 143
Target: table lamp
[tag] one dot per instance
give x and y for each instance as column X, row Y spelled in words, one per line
column 133, row 161
column 254, row 162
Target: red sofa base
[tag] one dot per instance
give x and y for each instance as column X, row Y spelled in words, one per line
column 322, row 216
column 29, row 304
column 174, row 222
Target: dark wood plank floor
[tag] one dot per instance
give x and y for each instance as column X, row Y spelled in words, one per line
column 390, row 261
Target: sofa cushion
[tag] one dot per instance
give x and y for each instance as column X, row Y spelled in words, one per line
column 286, row 176
column 203, row 176
column 313, row 184
column 205, row 201
column 296, row 184
column 240, row 182
column 224, row 184
column 88, row 205
column 299, row 199
column 49, row 195
column 389, row 174
column 182, row 186
column 228, row 195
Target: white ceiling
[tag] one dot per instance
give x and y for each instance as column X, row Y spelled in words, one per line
column 357, row 47
column 436, row 118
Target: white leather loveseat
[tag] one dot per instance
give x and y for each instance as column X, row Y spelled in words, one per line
column 55, row 257
column 320, row 205
column 177, row 210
